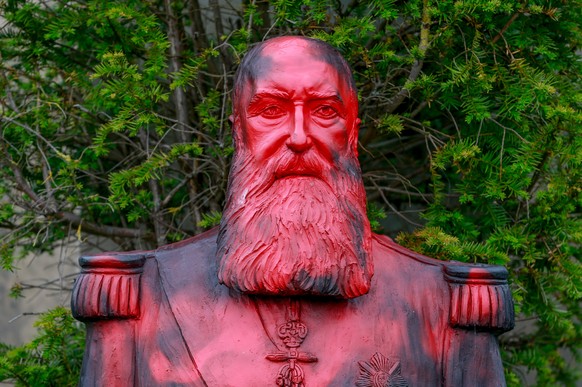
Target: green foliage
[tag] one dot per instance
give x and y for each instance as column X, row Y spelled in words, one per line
column 375, row 214
column 210, row 220
column 53, row 358
column 435, row 243
column 114, row 122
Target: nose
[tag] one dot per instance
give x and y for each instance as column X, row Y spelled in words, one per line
column 298, row 140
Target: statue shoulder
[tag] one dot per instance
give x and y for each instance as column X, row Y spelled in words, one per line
column 480, row 297
column 385, row 247
column 108, row 286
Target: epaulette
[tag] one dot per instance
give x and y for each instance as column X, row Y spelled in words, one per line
column 480, row 297
column 108, row 287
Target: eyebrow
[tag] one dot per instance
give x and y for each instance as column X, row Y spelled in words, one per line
column 319, row 95
column 278, row 94
column 268, row 94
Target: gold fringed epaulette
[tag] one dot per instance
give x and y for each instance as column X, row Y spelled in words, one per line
column 480, row 297
column 108, row 287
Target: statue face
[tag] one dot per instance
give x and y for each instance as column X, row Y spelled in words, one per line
column 297, row 102
column 295, row 217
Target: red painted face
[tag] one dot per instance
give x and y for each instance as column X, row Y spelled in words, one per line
column 298, row 103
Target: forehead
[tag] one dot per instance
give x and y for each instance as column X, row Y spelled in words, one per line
column 295, row 68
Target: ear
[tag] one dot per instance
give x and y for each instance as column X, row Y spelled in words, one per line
column 231, row 123
column 353, row 136
column 235, row 130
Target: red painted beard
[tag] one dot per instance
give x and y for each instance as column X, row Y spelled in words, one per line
column 295, row 226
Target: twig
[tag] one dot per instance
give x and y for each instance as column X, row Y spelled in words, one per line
column 505, row 27
column 393, row 208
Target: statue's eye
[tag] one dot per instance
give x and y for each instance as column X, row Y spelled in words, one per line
column 272, row 111
column 325, row 111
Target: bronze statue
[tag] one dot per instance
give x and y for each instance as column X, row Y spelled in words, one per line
column 293, row 288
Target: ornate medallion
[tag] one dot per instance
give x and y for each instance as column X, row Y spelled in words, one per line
column 292, row 333
column 380, row 372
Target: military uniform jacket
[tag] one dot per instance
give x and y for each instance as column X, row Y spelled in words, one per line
column 161, row 318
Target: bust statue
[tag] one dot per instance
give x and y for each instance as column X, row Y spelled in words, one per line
column 293, row 288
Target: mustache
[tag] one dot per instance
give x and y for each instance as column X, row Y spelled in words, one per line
column 288, row 163
column 251, row 178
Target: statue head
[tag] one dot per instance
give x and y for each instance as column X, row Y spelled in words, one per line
column 294, row 64
column 295, row 219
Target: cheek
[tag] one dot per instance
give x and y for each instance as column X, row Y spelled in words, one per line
column 265, row 137
column 331, row 138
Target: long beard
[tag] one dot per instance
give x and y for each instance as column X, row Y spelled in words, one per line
column 295, row 226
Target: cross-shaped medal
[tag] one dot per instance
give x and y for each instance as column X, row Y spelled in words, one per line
column 292, row 333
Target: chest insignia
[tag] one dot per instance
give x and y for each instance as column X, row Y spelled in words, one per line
column 380, row 372
column 292, row 333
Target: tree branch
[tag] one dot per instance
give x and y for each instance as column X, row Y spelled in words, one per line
column 398, row 213
column 198, row 32
column 19, row 178
column 73, row 219
column 505, row 27
column 179, row 94
column 92, row 228
column 417, row 66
